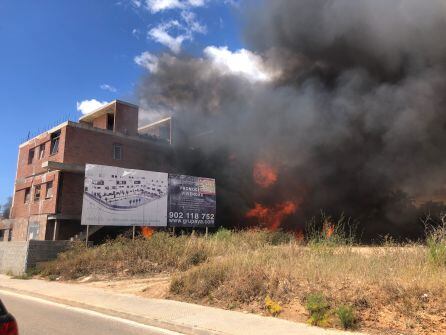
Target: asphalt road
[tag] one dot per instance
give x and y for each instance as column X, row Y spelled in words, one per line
column 38, row 317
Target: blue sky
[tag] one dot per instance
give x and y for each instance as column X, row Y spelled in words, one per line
column 57, row 54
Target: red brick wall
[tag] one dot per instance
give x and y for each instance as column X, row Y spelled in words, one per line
column 44, row 206
column 25, row 169
column 30, row 175
column 85, row 146
column 71, row 194
column 100, row 122
column 20, row 227
column 126, row 119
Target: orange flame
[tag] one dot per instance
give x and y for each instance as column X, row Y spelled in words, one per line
column 264, row 174
column 328, row 229
column 147, row 232
column 272, row 217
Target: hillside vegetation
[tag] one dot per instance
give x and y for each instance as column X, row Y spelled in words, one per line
column 325, row 280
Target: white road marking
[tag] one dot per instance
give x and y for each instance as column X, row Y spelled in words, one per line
column 92, row 313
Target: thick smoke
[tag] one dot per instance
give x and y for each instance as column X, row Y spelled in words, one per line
column 353, row 119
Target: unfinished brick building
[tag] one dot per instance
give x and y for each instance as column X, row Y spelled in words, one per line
column 48, row 192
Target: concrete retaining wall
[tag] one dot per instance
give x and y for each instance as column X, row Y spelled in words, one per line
column 17, row 257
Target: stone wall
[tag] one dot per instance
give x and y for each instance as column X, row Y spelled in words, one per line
column 13, row 257
column 43, row 251
column 16, row 257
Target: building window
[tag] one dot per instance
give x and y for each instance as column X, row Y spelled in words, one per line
column 110, row 121
column 37, row 190
column 41, row 151
column 49, row 190
column 27, row 195
column 117, row 152
column 55, row 139
column 31, row 155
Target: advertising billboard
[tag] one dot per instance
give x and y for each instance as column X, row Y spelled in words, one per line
column 192, row 201
column 124, row 197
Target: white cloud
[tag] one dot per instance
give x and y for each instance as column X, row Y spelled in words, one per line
column 192, row 23
column 235, row 3
column 88, row 106
column 162, row 34
column 156, row 6
column 107, row 87
column 243, row 62
column 172, row 34
column 175, row 32
column 147, row 61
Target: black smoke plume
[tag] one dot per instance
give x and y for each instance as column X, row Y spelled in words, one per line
column 353, row 119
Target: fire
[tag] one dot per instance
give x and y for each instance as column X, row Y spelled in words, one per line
column 328, row 229
column 272, row 217
column 147, row 232
column 264, row 174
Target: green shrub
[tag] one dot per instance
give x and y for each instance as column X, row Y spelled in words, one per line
column 279, row 237
column 318, row 307
column 346, row 316
column 436, row 245
column 222, row 234
column 437, row 251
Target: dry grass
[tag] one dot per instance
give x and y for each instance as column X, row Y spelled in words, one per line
column 390, row 288
column 161, row 253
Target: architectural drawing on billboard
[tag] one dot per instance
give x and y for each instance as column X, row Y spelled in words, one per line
column 124, row 197
column 192, row 201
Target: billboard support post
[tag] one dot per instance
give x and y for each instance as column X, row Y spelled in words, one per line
column 86, row 237
column 133, row 236
column 207, row 231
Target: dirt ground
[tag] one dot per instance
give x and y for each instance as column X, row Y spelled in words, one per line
column 156, row 287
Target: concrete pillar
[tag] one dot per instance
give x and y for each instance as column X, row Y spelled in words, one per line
column 56, row 224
